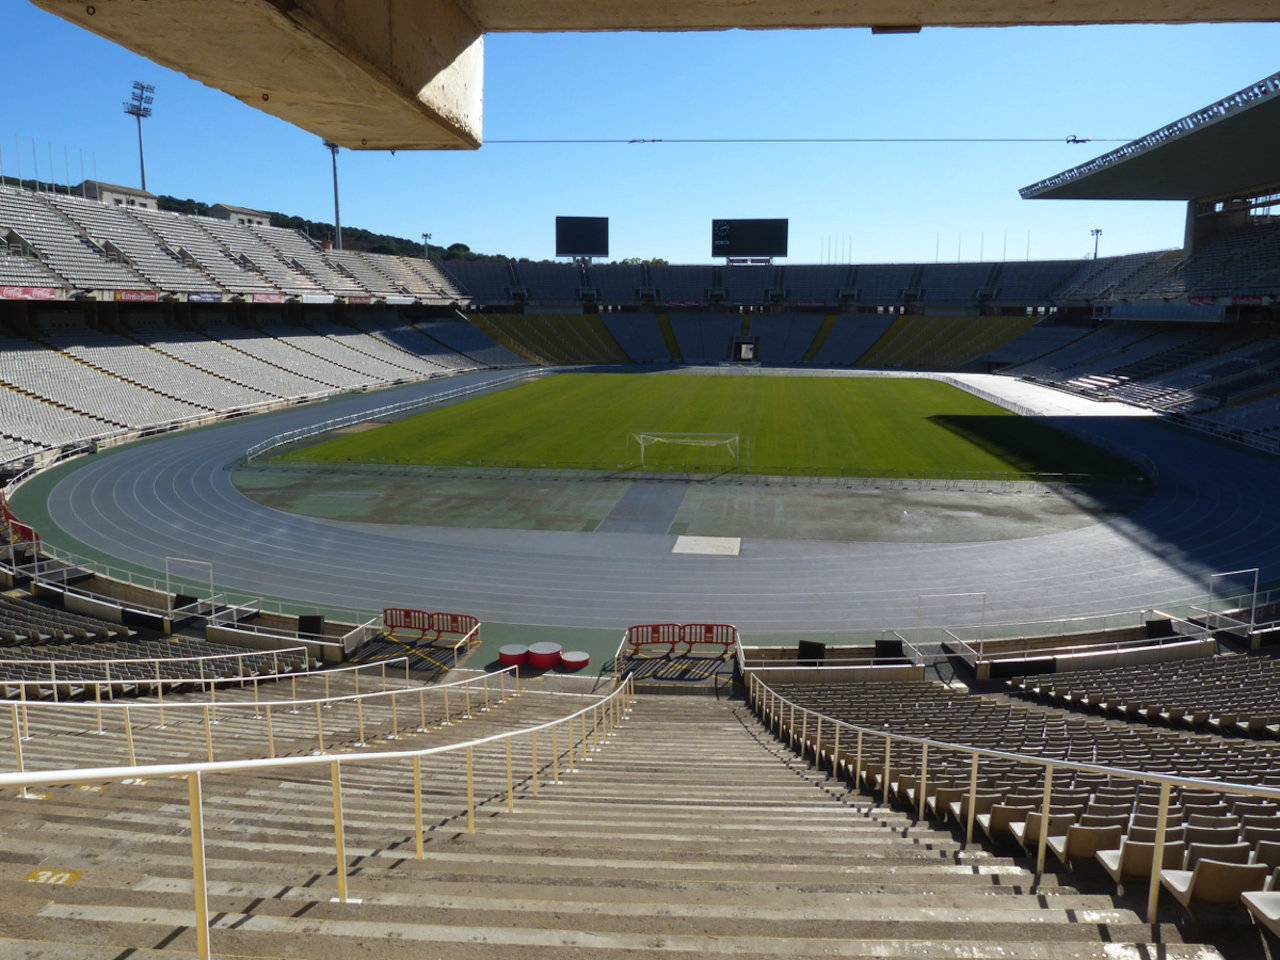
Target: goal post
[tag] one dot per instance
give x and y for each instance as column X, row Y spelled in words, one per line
column 714, row 449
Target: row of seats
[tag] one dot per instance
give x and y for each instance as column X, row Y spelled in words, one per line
column 1216, row 847
column 26, row 621
column 1231, row 694
column 60, row 240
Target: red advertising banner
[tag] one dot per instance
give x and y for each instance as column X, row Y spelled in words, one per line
column 28, row 293
column 136, row 296
column 268, row 298
column 359, row 299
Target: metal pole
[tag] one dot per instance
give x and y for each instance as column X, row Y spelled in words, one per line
column 417, row 802
column 271, row 740
column 1157, row 854
column 471, row 796
column 337, row 216
column 199, row 878
column 511, row 790
column 1044, row 820
column 142, row 161
column 973, row 800
column 339, row 840
column 533, row 748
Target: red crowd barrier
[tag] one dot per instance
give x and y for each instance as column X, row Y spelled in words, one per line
column 690, row 635
column 428, row 625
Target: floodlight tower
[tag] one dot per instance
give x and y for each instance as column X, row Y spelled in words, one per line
column 139, row 106
column 337, row 220
column 1096, row 233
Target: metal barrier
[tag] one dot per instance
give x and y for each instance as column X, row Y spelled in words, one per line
column 484, row 688
column 803, row 730
column 302, row 433
column 606, row 715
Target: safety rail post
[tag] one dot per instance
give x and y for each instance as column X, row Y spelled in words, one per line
column 213, row 703
column 471, row 796
column 208, row 736
column 339, row 838
column 257, row 705
column 533, row 753
column 106, row 673
column 1044, row 820
column 17, row 744
column 271, row 739
column 555, row 755
column 360, row 722
column 511, row 790
column 835, row 754
column 26, row 721
column 422, row 710
column 159, row 697
column 97, row 699
column 417, row 803
column 924, row 774
column 384, row 676
column 791, row 728
column 804, row 733
column 502, row 687
column 53, row 679
column 395, row 720
column 293, row 689
column 885, row 775
column 595, row 729
column 857, row 764
column 485, row 681
column 569, row 746
column 817, row 743
column 973, row 799
column 128, row 736
column 466, row 689
column 319, row 729
column 199, row 876
column 1157, row 853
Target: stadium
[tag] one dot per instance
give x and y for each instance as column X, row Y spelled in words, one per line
column 357, row 602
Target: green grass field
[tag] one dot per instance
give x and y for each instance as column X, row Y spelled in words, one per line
column 790, row 425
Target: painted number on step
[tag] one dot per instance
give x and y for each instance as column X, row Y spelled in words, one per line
column 59, row 878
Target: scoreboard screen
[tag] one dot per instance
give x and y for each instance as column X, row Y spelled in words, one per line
column 582, row 236
column 749, row 238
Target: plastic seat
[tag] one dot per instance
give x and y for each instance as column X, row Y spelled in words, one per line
column 1083, row 842
column 1213, row 881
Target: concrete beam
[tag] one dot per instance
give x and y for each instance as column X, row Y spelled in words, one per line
column 523, row 15
column 408, row 74
column 365, row 74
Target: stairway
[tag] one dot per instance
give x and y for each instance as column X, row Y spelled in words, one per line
column 691, row 833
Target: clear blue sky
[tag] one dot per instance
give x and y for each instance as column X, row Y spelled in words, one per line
column 847, row 202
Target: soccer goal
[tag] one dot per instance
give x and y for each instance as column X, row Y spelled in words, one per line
column 726, row 450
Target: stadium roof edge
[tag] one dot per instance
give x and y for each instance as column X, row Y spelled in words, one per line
column 1223, row 150
column 412, row 76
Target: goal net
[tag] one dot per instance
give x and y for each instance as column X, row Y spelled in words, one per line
column 720, row 450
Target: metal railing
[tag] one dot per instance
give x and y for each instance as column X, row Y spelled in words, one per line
column 803, row 729
column 404, row 406
column 606, row 714
column 484, row 691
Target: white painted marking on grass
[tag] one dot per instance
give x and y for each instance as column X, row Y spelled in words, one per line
column 708, row 546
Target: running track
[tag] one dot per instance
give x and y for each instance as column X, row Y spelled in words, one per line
column 1215, row 509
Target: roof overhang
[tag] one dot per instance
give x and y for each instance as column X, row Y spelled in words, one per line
column 1230, row 148
column 408, row 74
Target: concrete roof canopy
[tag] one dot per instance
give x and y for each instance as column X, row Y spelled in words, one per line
column 1227, row 149
column 409, row 74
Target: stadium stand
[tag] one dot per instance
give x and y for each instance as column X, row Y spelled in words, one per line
column 705, row 338
column 366, row 273
column 125, row 239
column 785, row 338
column 849, row 337
column 1230, row 694
column 241, row 243
column 195, row 246
column 462, row 338
column 553, row 338
column 639, row 335
column 617, row 282
column 304, row 256
column 680, row 284
column 941, row 343
column 61, row 245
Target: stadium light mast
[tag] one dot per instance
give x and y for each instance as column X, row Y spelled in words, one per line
column 1096, row 232
column 337, row 219
column 138, row 106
